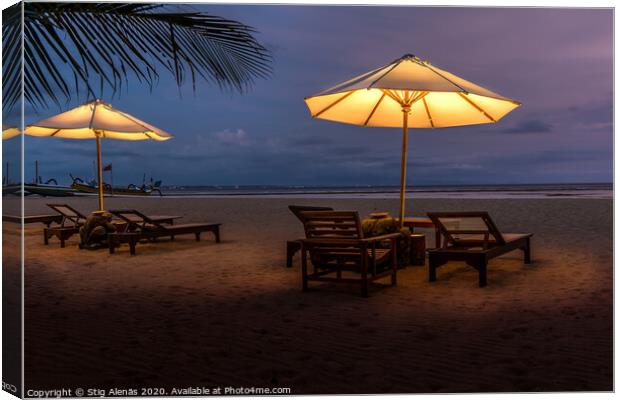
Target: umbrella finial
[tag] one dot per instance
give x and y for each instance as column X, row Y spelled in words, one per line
column 97, row 101
column 92, row 101
column 411, row 57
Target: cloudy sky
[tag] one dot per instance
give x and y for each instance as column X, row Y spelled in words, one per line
column 557, row 62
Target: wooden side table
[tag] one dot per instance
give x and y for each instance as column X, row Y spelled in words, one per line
column 417, row 249
column 423, row 222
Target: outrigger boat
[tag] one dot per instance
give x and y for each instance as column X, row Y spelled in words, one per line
column 132, row 190
column 36, row 187
column 12, row 188
column 40, row 189
column 49, row 189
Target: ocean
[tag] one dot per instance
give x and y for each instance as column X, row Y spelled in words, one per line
column 535, row 191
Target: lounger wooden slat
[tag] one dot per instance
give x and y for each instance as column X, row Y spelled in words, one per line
column 458, row 244
column 69, row 214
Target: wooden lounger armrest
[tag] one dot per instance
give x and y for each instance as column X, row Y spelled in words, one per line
column 343, row 241
column 337, row 241
column 376, row 239
column 379, row 238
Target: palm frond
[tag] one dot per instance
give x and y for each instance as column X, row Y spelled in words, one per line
column 77, row 45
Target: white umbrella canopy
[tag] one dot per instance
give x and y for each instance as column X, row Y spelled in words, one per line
column 436, row 98
column 96, row 119
column 409, row 92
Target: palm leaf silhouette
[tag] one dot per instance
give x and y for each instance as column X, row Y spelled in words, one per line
column 84, row 48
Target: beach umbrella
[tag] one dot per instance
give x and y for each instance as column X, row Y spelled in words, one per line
column 97, row 120
column 9, row 131
column 409, row 93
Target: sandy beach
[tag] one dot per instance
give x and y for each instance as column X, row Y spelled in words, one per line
column 185, row 314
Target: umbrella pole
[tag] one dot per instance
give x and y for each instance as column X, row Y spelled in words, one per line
column 99, row 172
column 403, row 167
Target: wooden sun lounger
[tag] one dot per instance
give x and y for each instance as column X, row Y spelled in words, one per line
column 140, row 226
column 473, row 237
column 70, row 222
column 293, row 246
column 335, row 243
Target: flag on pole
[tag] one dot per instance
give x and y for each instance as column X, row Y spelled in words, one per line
column 109, row 168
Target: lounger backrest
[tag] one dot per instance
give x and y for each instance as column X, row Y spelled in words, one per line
column 68, row 214
column 469, row 226
column 297, row 210
column 332, row 224
column 135, row 219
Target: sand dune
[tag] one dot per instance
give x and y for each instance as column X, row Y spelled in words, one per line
column 185, row 313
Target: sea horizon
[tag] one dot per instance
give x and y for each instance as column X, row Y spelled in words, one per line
column 540, row 190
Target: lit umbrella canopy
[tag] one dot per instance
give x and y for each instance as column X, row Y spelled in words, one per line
column 409, row 92
column 9, row 131
column 96, row 119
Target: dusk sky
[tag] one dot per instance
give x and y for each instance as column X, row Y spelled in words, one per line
column 557, row 62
